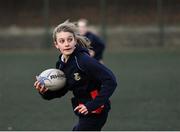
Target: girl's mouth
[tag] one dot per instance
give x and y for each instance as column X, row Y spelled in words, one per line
column 68, row 49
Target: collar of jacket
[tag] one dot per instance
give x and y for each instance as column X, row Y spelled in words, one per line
column 78, row 49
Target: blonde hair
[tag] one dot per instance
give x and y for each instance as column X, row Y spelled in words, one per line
column 72, row 28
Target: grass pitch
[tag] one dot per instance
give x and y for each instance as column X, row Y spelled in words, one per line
column 147, row 96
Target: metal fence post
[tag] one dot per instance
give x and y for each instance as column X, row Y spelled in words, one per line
column 47, row 39
column 103, row 19
column 160, row 22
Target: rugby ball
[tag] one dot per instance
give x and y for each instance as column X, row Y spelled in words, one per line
column 53, row 79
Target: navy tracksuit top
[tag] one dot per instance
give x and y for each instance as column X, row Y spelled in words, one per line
column 86, row 78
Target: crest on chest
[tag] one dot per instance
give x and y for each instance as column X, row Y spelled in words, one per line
column 77, row 76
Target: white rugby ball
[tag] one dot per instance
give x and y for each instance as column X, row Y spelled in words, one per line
column 53, row 79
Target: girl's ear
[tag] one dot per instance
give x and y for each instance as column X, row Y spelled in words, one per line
column 55, row 44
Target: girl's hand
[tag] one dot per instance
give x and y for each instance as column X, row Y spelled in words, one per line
column 40, row 87
column 92, row 53
column 81, row 109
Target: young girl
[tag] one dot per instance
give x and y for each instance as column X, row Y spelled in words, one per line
column 92, row 83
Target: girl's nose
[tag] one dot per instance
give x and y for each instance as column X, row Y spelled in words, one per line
column 66, row 43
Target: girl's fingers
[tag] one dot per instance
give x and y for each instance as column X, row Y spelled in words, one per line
column 35, row 83
column 84, row 111
column 81, row 109
column 78, row 107
column 43, row 89
column 39, row 87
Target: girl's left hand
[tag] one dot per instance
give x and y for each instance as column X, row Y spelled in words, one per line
column 81, row 109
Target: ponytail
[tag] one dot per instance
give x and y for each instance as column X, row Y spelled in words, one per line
column 83, row 41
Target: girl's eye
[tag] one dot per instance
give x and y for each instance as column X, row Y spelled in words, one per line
column 70, row 39
column 61, row 41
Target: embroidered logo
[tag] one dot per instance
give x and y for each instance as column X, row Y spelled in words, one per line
column 77, row 77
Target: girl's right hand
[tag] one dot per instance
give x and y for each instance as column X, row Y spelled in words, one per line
column 92, row 53
column 40, row 87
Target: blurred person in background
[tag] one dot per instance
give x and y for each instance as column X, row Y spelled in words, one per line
column 97, row 44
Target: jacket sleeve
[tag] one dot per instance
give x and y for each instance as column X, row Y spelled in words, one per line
column 101, row 74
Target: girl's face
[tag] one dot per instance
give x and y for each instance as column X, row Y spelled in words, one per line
column 82, row 28
column 65, row 42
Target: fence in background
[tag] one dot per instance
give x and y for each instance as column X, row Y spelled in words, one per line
column 122, row 23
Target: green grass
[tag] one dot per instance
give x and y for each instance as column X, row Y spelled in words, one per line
column 147, row 96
